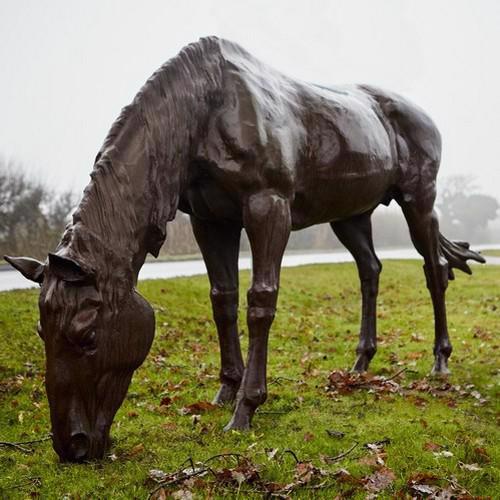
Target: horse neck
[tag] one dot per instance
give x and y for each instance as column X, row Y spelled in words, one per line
column 140, row 174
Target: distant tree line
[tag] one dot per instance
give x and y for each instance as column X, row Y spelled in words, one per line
column 33, row 217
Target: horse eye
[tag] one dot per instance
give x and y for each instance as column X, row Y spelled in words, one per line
column 39, row 330
column 88, row 343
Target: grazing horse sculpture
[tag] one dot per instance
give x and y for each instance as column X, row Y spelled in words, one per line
column 235, row 144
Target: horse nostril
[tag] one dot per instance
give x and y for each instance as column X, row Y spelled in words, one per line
column 78, row 446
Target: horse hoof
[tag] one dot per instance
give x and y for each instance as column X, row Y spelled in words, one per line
column 440, row 369
column 226, row 395
column 238, row 425
column 361, row 365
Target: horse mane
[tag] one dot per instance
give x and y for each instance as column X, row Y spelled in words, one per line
column 167, row 114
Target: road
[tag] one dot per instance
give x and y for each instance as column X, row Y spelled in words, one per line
column 11, row 279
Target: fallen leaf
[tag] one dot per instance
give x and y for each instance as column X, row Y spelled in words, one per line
column 182, row 495
column 469, row 467
column 431, row 446
column 159, row 494
column 335, row 434
column 482, row 455
column 157, row 475
column 379, row 480
column 136, row 450
column 197, row 408
column 271, row 453
column 424, row 488
column 166, row 401
column 444, row 453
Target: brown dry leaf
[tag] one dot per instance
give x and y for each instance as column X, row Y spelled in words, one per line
column 136, row 450
column 308, row 436
column 423, row 477
column 373, row 460
column 182, row 494
column 342, row 382
column 171, row 387
column 305, row 473
column 246, row 472
column 197, row 408
column 423, row 483
column 415, row 355
column 166, row 401
column 482, row 455
column 169, row 426
column 159, row 495
column 379, row 480
column 418, row 401
column 430, row 446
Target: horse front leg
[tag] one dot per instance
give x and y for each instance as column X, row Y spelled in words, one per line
column 219, row 243
column 267, row 222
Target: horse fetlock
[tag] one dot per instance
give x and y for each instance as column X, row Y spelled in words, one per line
column 252, row 397
column 366, row 349
column 444, row 348
column 225, row 395
column 232, row 376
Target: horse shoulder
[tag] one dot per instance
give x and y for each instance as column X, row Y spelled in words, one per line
column 254, row 135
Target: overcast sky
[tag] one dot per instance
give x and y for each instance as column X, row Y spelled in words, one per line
column 68, row 67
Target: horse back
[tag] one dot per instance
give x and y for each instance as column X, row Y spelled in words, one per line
column 334, row 152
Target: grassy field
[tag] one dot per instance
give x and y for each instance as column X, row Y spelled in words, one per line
column 385, row 434
column 492, row 252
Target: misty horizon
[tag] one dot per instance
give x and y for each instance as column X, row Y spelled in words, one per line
column 68, row 69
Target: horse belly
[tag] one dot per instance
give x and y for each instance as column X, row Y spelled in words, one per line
column 350, row 186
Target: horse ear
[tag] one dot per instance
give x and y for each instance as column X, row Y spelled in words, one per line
column 67, row 269
column 29, row 268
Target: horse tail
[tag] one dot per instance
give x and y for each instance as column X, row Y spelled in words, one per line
column 457, row 253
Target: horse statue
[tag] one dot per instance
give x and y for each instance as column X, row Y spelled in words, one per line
column 235, row 144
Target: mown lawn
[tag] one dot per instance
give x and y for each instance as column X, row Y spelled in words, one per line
column 493, row 252
column 414, row 436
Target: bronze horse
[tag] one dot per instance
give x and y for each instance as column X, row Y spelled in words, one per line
column 235, row 144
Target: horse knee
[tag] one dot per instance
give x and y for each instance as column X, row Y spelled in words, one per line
column 369, row 277
column 224, row 305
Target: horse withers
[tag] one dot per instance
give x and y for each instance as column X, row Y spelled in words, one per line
column 235, row 144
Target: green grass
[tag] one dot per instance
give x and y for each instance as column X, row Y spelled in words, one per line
column 314, row 333
column 492, row 252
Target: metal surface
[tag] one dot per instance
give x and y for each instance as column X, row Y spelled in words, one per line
column 234, row 143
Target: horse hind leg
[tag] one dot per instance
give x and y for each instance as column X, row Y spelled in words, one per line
column 424, row 231
column 356, row 235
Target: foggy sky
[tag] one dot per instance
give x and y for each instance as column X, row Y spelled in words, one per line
column 68, row 67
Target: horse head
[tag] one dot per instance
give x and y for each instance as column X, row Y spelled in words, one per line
column 93, row 345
